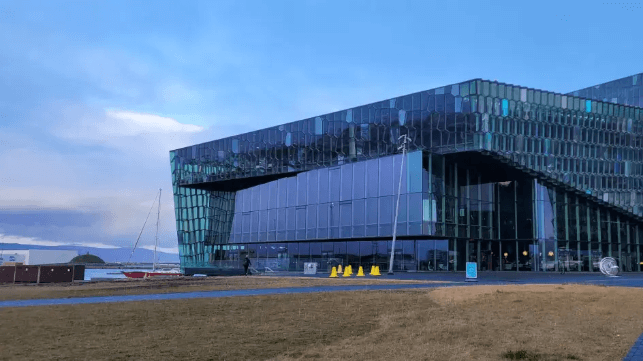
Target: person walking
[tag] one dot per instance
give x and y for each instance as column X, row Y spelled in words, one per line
column 246, row 264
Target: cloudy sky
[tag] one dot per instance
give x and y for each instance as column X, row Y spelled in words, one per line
column 94, row 94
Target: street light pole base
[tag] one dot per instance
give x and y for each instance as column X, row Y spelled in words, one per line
column 389, row 273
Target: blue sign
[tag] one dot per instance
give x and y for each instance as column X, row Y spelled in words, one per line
column 472, row 271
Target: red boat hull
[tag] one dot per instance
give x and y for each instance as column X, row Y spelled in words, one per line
column 140, row 274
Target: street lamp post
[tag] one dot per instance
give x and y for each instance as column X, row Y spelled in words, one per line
column 402, row 146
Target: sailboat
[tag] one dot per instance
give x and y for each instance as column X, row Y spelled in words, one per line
column 154, row 272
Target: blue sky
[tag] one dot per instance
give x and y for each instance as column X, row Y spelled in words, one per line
column 93, row 95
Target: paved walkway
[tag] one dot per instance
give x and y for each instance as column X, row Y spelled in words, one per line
column 212, row 294
column 636, row 352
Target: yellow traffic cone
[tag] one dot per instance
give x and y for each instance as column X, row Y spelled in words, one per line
column 360, row 272
column 339, row 269
column 333, row 273
column 372, row 272
column 377, row 271
column 347, row 271
column 350, row 270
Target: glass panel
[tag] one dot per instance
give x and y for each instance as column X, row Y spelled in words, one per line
column 346, row 215
column 313, row 191
column 441, row 255
column 359, row 183
column 335, row 183
column 304, row 254
column 408, row 256
column 316, row 255
column 292, row 191
column 372, row 178
column 324, row 194
column 366, row 252
column 293, row 257
column 323, row 212
column 386, row 178
column 352, row 255
column 386, row 216
column 347, row 182
column 339, row 254
column 311, row 224
column 381, row 254
column 358, row 217
column 372, row 216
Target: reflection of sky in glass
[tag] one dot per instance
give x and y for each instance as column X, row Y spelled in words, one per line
column 545, row 220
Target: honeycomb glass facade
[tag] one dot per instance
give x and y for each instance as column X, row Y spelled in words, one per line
column 628, row 91
column 512, row 178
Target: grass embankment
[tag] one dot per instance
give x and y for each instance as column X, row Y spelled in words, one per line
column 183, row 284
column 542, row 322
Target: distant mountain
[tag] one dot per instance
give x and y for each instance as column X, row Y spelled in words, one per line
column 107, row 254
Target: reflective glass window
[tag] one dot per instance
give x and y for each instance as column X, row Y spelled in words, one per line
column 335, row 182
column 272, row 220
column 346, row 216
column 264, row 193
column 281, row 219
column 347, row 182
column 324, row 191
column 386, row 177
column 372, row 178
column 359, row 183
column 273, row 203
column 302, row 189
column 322, row 219
column 313, row 191
column 292, row 191
column 283, row 192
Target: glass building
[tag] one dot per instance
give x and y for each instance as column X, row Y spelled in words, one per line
column 628, row 91
column 513, row 178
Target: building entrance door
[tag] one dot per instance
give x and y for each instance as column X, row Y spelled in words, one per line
column 489, row 255
column 472, row 252
column 509, row 256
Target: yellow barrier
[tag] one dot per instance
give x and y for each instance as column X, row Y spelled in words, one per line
column 347, row 271
column 360, row 272
column 333, row 273
column 375, row 271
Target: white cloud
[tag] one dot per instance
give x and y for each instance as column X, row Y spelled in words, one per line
column 118, row 181
column 124, row 123
column 174, row 250
column 32, row 241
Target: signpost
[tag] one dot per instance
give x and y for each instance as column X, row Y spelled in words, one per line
column 472, row 272
column 310, row 268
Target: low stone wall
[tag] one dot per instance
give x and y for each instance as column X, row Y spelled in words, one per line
column 42, row 274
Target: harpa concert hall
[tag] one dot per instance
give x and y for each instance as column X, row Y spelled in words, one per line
column 513, row 178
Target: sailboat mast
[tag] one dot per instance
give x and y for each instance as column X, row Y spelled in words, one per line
column 158, row 216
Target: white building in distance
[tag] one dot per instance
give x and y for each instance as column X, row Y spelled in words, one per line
column 36, row 256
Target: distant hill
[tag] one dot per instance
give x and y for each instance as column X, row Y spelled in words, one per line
column 87, row 258
column 109, row 255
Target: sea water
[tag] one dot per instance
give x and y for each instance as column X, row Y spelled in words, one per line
column 108, row 272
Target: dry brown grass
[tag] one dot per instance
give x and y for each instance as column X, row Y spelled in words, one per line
column 549, row 322
column 183, row 284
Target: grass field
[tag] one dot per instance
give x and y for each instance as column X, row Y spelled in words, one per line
column 183, row 284
column 537, row 322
